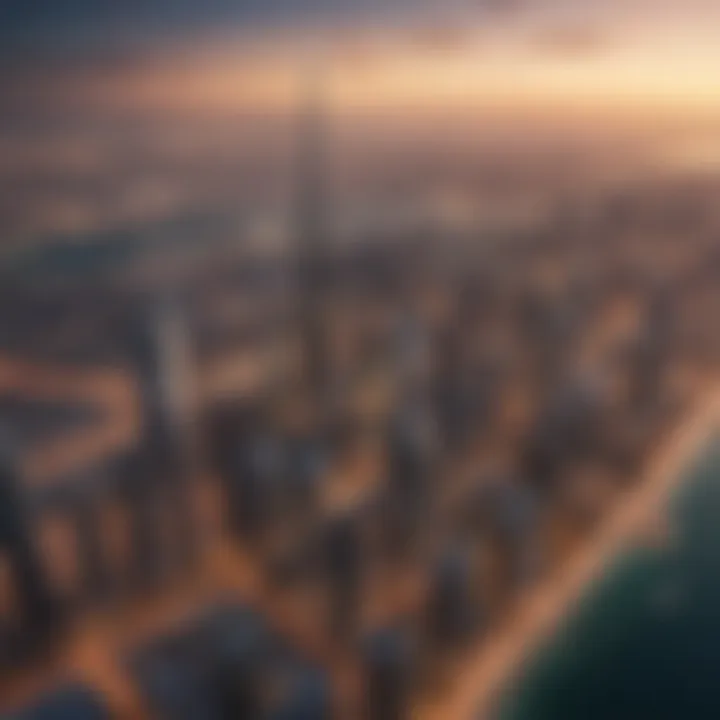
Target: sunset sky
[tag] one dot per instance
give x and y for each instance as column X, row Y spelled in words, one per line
column 636, row 55
column 118, row 112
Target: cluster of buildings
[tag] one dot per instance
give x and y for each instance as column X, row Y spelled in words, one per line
column 444, row 424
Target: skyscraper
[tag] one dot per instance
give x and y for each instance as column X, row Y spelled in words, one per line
column 38, row 609
column 164, row 365
column 311, row 235
column 169, row 452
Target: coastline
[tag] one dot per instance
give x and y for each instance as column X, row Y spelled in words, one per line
column 502, row 655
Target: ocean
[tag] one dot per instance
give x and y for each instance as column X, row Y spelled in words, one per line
column 644, row 642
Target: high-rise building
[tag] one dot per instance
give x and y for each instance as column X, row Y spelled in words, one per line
column 38, row 607
column 167, row 383
column 161, row 486
column 387, row 661
column 343, row 557
column 311, row 237
column 453, row 608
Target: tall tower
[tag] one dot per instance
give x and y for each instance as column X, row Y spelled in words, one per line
column 167, row 383
column 161, row 494
column 312, row 261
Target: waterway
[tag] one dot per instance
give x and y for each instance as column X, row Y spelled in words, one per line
column 644, row 642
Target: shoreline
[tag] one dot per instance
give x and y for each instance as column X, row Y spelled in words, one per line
column 483, row 677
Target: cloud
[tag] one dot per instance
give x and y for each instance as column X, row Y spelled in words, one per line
column 442, row 38
column 502, row 7
column 570, row 41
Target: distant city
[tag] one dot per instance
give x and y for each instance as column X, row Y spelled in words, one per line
column 305, row 417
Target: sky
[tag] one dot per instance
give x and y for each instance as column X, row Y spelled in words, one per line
column 216, row 55
column 112, row 112
column 83, row 25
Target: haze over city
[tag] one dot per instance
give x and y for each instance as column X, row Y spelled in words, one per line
column 359, row 361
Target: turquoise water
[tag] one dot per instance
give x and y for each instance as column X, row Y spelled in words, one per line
column 645, row 641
